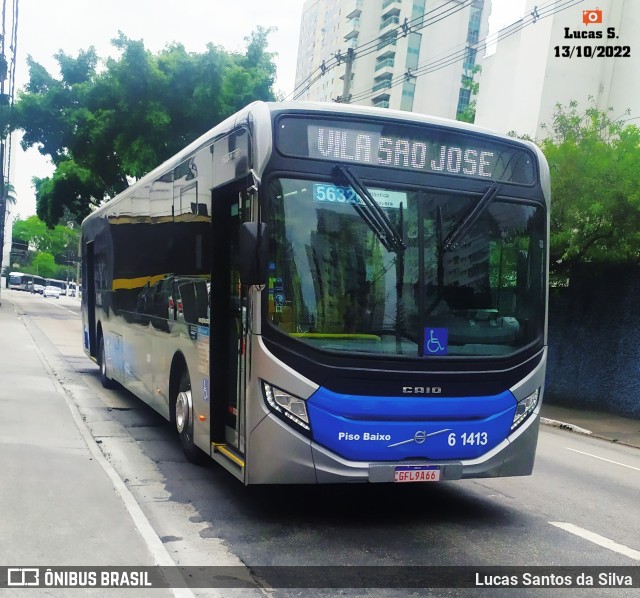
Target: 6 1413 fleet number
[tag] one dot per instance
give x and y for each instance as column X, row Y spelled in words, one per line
column 468, row 439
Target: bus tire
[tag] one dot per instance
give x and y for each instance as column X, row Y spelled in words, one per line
column 183, row 418
column 102, row 362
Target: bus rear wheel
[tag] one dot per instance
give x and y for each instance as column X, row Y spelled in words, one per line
column 183, row 417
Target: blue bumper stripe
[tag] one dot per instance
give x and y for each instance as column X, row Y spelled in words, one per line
column 363, row 428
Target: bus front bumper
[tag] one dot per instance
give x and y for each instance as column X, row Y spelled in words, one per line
column 294, row 459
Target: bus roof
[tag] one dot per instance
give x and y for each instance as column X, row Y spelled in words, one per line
column 262, row 110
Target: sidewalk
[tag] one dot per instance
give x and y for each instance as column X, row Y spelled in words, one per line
column 59, row 505
column 621, row 430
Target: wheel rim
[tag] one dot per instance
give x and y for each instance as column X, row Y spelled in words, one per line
column 182, row 410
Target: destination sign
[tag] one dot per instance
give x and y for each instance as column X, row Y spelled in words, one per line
column 425, row 149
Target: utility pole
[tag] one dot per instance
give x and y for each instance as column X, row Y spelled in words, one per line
column 3, row 200
column 4, row 101
column 345, row 98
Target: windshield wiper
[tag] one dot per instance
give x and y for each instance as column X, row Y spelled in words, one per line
column 451, row 242
column 462, row 228
column 373, row 214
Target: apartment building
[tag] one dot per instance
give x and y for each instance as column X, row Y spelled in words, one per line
column 413, row 55
column 557, row 53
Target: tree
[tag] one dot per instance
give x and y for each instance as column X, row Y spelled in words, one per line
column 61, row 240
column 47, row 252
column 103, row 127
column 595, row 188
column 44, row 265
column 468, row 114
column 10, row 193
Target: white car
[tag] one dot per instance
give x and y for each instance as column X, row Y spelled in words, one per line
column 51, row 292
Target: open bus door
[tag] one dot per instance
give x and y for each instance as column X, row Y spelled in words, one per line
column 231, row 205
column 89, row 298
column 228, row 338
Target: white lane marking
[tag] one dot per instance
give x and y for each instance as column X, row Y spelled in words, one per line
column 597, row 539
column 69, row 310
column 603, row 459
column 177, row 585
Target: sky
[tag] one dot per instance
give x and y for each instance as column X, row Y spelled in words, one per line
column 47, row 26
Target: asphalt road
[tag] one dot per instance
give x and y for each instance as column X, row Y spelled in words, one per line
column 580, row 508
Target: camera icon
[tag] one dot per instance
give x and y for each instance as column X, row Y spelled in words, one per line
column 592, row 16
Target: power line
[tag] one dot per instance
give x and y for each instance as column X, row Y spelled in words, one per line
column 452, row 56
column 7, row 71
column 364, row 49
column 3, row 77
column 459, row 52
column 541, row 12
column 12, row 73
column 408, row 25
column 372, row 45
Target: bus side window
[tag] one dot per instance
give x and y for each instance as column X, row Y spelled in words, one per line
column 195, row 301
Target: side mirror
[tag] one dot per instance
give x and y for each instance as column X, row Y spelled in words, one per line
column 253, row 249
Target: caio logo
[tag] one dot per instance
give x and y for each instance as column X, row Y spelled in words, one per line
column 592, row 17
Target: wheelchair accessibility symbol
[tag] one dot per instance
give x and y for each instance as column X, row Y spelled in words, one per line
column 436, row 341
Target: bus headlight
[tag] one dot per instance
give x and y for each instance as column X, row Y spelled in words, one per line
column 525, row 408
column 292, row 408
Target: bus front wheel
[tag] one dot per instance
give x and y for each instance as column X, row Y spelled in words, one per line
column 183, row 417
column 104, row 378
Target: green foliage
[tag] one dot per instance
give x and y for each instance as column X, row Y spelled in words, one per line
column 468, row 115
column 72, row 187
column 9, row 193
column 595, row 188
column 53, row 250
column 102, row 127
column 44, row 265
column 61, row 241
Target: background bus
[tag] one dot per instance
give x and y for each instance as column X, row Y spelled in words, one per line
column 60, row 284
column 15, row 280
column 33, row 283
column 317, row 293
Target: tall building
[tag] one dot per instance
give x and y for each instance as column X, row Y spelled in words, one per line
column 411, row 55
column 560, row 52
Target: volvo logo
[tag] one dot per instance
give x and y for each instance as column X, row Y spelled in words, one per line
column 419, row 437
column 421, row 390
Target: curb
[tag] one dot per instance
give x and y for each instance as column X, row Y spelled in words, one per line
column 565, row 426
column 578, row 430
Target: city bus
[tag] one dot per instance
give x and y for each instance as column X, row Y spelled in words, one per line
column 60, row 284
column 15, row 281
column 322, row 293
column 33, row 283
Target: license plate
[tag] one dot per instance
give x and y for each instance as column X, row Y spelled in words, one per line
column 417, row 473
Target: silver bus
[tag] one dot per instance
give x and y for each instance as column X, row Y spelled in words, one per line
column 15, row 281
column 320, row 293
column 60, row 284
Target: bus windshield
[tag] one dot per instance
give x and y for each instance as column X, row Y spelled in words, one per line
column 15, row 279
column 425, row 273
